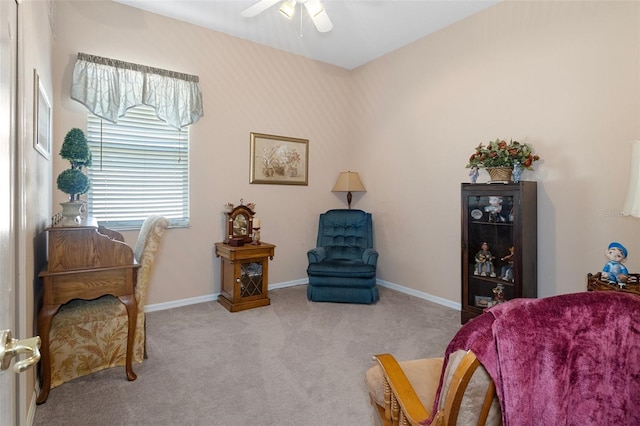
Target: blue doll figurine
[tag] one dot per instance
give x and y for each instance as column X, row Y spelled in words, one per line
column 614, row 271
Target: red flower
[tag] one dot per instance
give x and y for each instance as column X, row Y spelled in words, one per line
column 500, row 153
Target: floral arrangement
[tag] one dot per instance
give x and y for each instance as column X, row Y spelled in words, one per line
column 499, row 153
column 277, row 160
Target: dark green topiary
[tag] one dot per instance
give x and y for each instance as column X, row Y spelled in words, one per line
column 75, row 149
column 73, row 182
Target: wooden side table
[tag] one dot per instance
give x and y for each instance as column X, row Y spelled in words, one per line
column 594, row 283
column 244, row 275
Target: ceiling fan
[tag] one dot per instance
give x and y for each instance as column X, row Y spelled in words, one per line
column 314, row 9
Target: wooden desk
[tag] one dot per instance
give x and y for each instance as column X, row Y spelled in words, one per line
column 85, row 264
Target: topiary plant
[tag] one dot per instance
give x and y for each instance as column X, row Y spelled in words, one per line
column 75, row 147
column 73, row 182
column 76, row 150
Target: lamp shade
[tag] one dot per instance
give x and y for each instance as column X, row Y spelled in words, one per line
column 348, row 182
column 632, row 203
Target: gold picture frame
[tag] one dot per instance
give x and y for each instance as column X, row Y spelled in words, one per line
column 279, row 160
column 41, row 118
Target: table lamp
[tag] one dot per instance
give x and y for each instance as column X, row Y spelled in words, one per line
column 348, row 182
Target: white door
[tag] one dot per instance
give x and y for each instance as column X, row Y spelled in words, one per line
column 8, row 79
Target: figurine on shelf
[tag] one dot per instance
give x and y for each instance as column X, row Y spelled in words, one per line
column 506, row 273
column 494, row 208
column 614, row 270
column 474, row 173
column 484, row 264
column 498, row 294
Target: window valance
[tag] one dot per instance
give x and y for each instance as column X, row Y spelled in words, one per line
column 108, row 88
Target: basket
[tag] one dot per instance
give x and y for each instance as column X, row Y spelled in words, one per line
column 500, row 174
column 595, row 283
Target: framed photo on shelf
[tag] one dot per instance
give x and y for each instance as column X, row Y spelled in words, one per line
column 279, row 160
column 41, row 118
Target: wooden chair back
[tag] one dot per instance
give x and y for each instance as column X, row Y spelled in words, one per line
column 403, row 406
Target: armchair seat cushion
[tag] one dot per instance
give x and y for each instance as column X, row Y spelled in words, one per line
column 342, row 268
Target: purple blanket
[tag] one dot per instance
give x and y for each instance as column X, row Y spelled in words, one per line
column 562, row 360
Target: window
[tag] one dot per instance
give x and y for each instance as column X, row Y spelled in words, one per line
column 140, row 167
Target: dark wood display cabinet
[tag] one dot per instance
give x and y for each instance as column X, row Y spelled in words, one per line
column 499, row 244
column 244, row 275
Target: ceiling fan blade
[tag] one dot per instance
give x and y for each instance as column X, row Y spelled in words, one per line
column 257, row 8
column 322, row 22
column 319, row 16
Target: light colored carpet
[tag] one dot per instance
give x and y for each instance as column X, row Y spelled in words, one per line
column 291, row 363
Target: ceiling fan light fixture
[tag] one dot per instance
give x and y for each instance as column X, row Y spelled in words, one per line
column 314, row 8
column 288, row 9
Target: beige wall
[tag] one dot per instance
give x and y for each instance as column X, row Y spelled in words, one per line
column 246, row 88
column 560, row 75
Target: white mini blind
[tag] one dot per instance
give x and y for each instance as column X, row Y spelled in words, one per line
column 140, row 167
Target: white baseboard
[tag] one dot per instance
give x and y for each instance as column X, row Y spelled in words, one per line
column 304, row 281
column 421, row 295
column 181, row 302
column 31, row 411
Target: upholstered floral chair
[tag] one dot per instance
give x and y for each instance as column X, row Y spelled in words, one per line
column 88, row 336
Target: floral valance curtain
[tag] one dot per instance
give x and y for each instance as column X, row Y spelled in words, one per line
column 108, row 87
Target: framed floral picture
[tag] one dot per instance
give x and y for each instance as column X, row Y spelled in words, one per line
column 279, row 160
column 41, row 118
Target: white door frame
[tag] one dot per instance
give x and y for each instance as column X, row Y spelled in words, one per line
column 9, row 411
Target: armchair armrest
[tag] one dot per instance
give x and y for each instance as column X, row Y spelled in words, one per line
column 401, row 400
column 316, row 255
column 370, row 256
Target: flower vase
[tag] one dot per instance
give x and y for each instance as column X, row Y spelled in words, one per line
column 500, row 174
column 71, row 211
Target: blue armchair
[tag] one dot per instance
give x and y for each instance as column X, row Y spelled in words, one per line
column 342, row 267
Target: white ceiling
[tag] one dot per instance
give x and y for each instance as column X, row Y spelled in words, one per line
column 362, row 29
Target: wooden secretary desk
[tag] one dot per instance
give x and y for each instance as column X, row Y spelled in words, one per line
column 86, row 261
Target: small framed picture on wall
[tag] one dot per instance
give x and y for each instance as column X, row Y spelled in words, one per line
column 41, row 118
